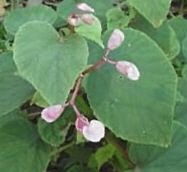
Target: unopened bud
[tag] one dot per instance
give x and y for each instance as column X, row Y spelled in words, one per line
column 95, row 131
column 74, row 20
column 129, row 69
column 87, row 18
column 116, row 39
column 85, row 7
column 51, row 113
column 81, row 122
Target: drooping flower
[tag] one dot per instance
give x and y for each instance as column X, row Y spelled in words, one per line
column 81, row 122
column 51, row 113
column 93, row 131
column 85, row 7
column 87, row 18
column 129, row 69
column 116, row 39
column 74, row 20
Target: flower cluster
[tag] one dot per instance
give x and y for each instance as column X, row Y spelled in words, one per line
column 126, row 68
column 93, row 130
column 76, row 19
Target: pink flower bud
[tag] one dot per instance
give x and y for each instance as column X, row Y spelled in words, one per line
column 51, row 113
column 81, row 122
column 85, row 7
column 94, row 132
column 87, row 18
column 74, row 20
column 129, row 69
column 116, row 39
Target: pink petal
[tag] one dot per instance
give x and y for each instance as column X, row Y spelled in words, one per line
column 85, row 7
column 74, row 20
column 81, row 122
column 129, row 69
column 95, row 131
column 51, row 113
column 116, row 39
column 87, row 18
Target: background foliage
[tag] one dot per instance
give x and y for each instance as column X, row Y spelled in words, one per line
column 41, row 57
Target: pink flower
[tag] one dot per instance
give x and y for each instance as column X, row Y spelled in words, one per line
column 116, row 39
column 85, row 7
column 51, row 113
column 129, row 69
column 87, row 18
column 81, row 122
column 74, row 20
column 93, row 131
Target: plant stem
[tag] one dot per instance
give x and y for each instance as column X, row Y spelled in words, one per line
column 124, row 153
column 95, row 66
column 62, row 148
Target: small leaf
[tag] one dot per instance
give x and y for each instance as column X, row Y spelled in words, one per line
column 116, row 18
column 102, row 155
column 55, row 133
column 155, row 11
column 39, row 100
column 91, row 31
column 49, row 64
column 21, row 16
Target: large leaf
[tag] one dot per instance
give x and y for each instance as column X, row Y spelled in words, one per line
column 139, row 111
column 14, row 91
column 156, row 159
column 20, row 16
column 49, row 62
column 20, row 147
column 164, row 35
column 155, row 11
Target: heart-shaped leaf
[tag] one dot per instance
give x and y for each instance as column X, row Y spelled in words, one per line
column 139, row 111
column 51, row 63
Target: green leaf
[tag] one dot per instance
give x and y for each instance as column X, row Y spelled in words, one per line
column 102, row 155
column 184, row 47
column 66, row 8
column 179, row 24
column 91, row 31
column 39, row 100
column 80, row 168
column 181, row 106
column 21, row 149
column 6, row 63
column 139, row 111
column 164, row 36
column 51, row 63
column 156, row 159
column 21, row 16
column 155, row 11
column 116, row 18
column 14, row 90
column 55, row 133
